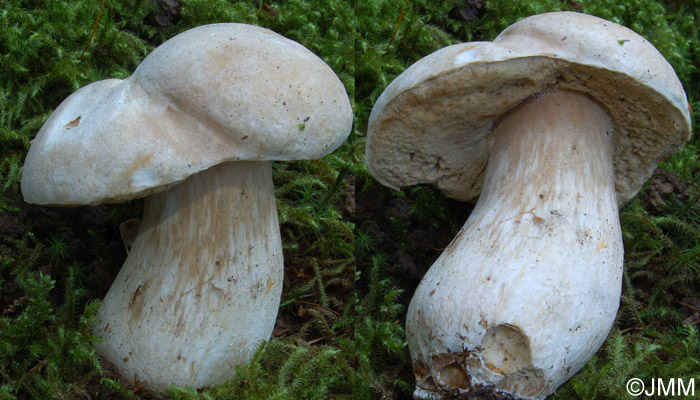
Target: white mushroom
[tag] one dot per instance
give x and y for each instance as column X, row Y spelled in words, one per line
column 194, row 128
column 560, row 119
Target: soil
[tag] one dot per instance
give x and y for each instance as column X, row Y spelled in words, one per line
column 467, row 10
column 164, row 14
column 89, row 236
column 664, row 186
column 409, row 242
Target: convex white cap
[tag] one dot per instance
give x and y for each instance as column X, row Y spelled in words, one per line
column 215, row 93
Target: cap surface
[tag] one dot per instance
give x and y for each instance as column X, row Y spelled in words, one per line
column 431, row 123
column 215, row 93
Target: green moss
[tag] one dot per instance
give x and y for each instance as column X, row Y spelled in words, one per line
column 344, row 335
column 653, row 335
column 40, row 65
column 46, row 351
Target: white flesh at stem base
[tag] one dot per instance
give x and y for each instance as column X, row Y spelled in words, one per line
column 529, row 289
column 200, row 288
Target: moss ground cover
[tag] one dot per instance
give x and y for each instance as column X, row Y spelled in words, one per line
column 354, row 250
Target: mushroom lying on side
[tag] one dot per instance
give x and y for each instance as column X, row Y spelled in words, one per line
column 560, row 119
column 193, row 128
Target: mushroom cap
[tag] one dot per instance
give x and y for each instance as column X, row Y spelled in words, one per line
column 431, row 123
column 215, row 93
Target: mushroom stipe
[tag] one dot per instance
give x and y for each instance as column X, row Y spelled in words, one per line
column 193, row 129
column 553, row 126
column 210, row 243
column 536, row 308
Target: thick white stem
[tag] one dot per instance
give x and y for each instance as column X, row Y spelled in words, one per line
column 529, row 288
column 201, row 286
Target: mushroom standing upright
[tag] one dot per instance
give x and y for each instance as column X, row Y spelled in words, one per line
column 193, row 129
column 555, row 124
